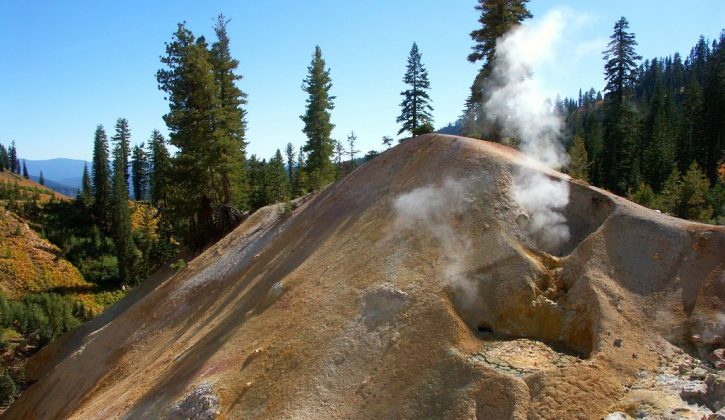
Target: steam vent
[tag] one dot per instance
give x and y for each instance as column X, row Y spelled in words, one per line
column 416, row 287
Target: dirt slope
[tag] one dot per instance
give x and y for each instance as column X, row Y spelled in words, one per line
column 350, row 308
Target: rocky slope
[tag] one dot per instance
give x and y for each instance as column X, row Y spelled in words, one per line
column 412, row 289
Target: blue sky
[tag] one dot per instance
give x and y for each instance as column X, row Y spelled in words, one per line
column 68, row 66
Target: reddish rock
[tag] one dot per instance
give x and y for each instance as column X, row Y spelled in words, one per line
column 717, row 358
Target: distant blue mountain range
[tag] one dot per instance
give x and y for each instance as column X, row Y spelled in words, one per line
column 62, row 175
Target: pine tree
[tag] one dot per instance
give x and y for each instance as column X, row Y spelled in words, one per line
column 160, row 169
column 25, row 170
column 387, row 141
column 101, row 174
column 676, row 79
column 692, row 130
column 122, row 138
column 277, row 183
column 658, row 149
column 693, row 202
column 86, row 195
column 351, row 140
column 645, row 196
column 698, row 60
column 290, row 154
column 13, row 156
column 620, row 163
column 41, row 179
column 497, row 18
column 339, row 151
column 593, row 141
column 257, row 182
column 121, row 226
column 578, row 161
column 139, row 168
column 671, row 193
column 301, row 184
column 415, row 108
column 318, row 127
column 620, row 68
column 231, row 125
column 193, row 117
column 713, row 147
column 3, row 158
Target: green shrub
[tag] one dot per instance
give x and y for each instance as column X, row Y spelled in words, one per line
column 44, row 316
column 108, row 297
column 644, row 196
column 102, row 270
column 7, row 388
column 424, row 128
column 180, row 264
column 5, row 311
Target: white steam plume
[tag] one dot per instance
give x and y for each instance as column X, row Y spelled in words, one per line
column 515, row 99
column 430, row 209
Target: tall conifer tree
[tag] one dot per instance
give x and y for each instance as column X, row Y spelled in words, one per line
column 13, row 156
column 317, row 122
column 257, row 182
column 231, row 125
column 139, row 168
column 711, row 154
column 160, row 169
column 497, row 18
column 692, row 127
column 301, row 184
column 619, row 154
column 277, row 183
column 193, row 118
column 290, row 154
column 122, row 138
column 86, row 194
column 3, row 158
column 121, row 220
column 657, row 143
column 101, row 179
column 415, row 108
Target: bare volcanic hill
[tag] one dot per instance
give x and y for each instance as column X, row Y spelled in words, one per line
column 413, row 288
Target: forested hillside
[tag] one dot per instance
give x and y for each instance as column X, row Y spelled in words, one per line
column 663, row 147
column 42, row 295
